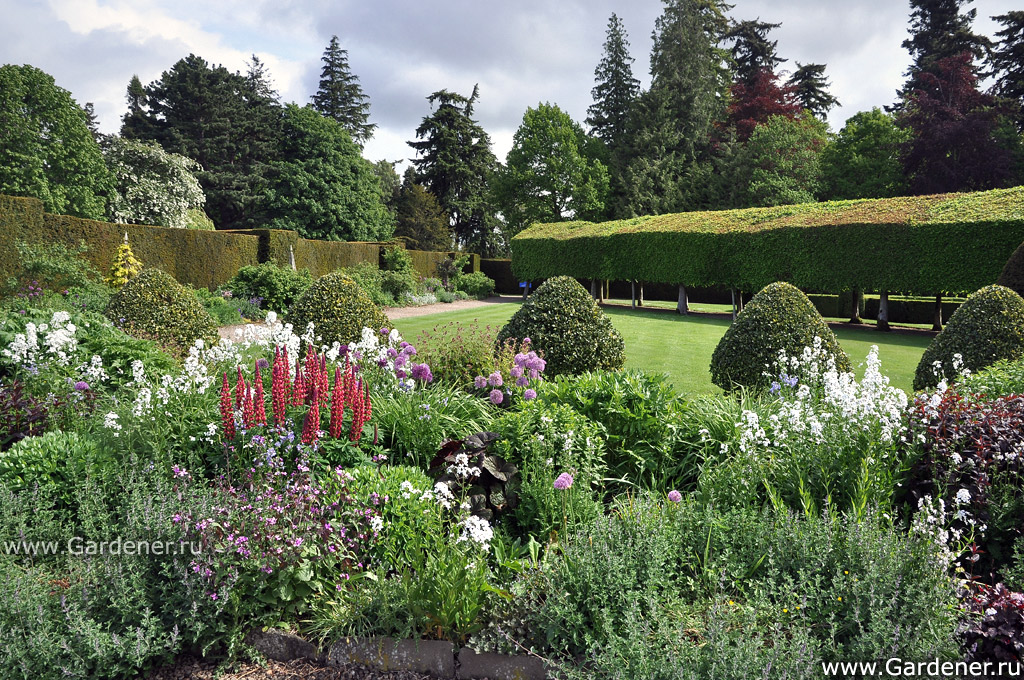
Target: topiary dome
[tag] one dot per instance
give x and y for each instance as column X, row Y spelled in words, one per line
column 780, row 317
column 152, row 304
column 564, row 322
column 1013, row 273
column 338, row 309
column 988, row 327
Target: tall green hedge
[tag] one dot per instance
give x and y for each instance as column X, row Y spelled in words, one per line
column 948, row 244
column 1013, row 273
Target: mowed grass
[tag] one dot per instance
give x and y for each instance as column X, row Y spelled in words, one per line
column 681, row 346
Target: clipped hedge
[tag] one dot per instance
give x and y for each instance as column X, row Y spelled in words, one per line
column 154, row 305
column 338, row 309
column 1013, row 273
column 565, row 323
column 779, row 317
column 926, row 245
column 989, row 327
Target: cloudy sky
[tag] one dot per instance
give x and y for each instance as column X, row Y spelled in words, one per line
column 520, row 53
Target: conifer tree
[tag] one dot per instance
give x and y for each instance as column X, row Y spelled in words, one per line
column 810, row 87
column 939, row 29
column 616, row 88
column 340, row 97
column 1007, row 62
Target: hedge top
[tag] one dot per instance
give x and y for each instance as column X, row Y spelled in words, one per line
column 951, row 243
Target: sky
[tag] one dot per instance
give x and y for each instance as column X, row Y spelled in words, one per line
column 520, row 53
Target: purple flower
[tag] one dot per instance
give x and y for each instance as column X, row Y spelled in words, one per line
column 404, row 344
column 262, row 363
column 775, row 387
column 563, row 481
column 392, row 352
column 81, row 386
column 529, row 394
column 384, row 331
column 522, row 381
column 400, row 374
column 519, row 359
column 400, row 361
column 496, row 397
column 494, row 379
column 422, row 372
column 675, row 496
column 790, row 381
column 479, row 382
column 527, row 341
column 516, row 371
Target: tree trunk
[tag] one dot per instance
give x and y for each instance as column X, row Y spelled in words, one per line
column 683, row 306
column 883, row 311
column 732, row 292
column 640, row 298
column 855, row 314
column 740, row 300
column 632, row 294
column 593, row 288
column 937, row 319
column 526, row 290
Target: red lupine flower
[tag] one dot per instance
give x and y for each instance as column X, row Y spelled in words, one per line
column 310, row 429
column 278, row 385
column 239, row 390
column 248, row 413
column 357, row 414
column 323, row 383
column 337, row 404
column 261, row 410
column 299, row 393
column 227, row 412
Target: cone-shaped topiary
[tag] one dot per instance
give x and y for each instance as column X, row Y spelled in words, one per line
column 338, row 309
column 986, row 328
column 125, row 266
column 563, row 321
column 780, row 317
column 152, row 304
column 1013, row 273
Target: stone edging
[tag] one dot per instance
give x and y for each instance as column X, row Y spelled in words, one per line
column 439, row 659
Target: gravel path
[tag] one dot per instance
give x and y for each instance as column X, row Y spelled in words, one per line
column 198, row 669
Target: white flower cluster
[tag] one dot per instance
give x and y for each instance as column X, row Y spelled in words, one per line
column 58, row 344
column 477, row 530
column 932, row 522
column 462, row 468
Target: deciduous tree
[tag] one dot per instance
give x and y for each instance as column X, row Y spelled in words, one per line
column 151, row 186
column 863, row 161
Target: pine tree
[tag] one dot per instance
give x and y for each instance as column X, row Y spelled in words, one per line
column 135, row 123
column 670, row 127
column 616, row 88
column 752, row 52
column 939, row 30
column 92, row 122
column 1007, row 62
column 454, row 162
column 810, row 87
column 340, row 97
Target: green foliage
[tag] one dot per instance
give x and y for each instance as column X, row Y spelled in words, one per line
column 783, row 156
column 124, row 266
column 1012, row 275
column 616, row 88
column 810, row 88
column 476, row 284
column 1002, row 378
column 640, row 413
column 278, row 287
column 337, row 308
column 548, row 176
column 565, row 323
column 371, row 279
column 58, row 267
column 985, row 329
column 151, row 186
column 863, row 161
column 339, row 96
column 903, row 244
column 322, row 187
column 421, row 220
column 47, row 150
column 779, row 317
column 398, row 278
column 457, row 353
column 156, row 305
column 59, row 463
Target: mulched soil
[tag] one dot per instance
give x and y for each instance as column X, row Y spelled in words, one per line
column 188, row 668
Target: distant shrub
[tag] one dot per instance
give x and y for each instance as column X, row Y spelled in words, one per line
column 338, row 309
column 986, row 328
column 456, row 353
column 779, row 317
column 445, row 296
column 370, row 279
column 477, row 285
column 277, row 287
column 565, row 323
column 156, row 305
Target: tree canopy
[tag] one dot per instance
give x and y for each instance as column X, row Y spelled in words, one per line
column 863, row 160
column 46, row 147
column 340, row 96
column 151, row 186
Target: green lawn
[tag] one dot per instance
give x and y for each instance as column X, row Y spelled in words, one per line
column 681, row 346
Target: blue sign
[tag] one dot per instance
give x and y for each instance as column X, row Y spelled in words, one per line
column 524, row 284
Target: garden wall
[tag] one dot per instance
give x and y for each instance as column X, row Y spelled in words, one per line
column 198, row 258
column 921, row 245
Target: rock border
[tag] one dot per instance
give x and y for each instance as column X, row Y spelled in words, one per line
column 438, row 659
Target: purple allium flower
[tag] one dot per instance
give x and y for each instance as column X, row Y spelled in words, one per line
column 496, row 397
column 404, row 344
column 401, row 374
column 563, row 481
column 392, row 352
column 519, row 359
column 479, row 382
column 382, row 362
column 516, row 371
column 410, row 350
column 384, row 331
column 422, row 372
column 263, row 364
column 530, row 394
column 675, row 496
column 527, row 341
column 494, row 379
column 400, row 361
column 534, row 374
column 522, row 381
column 81, row 386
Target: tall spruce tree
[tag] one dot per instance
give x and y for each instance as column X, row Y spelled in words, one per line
column 454, row 162
column 340, row 97
column 756, row 93
column 752, row 51
column 616, row 88
column 1007, row 62
column 939, row 29
column 671, row 125
column 810, row 87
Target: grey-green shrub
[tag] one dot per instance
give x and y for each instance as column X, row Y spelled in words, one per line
column 338, row 309
column 779, row 317
column 155, row 305
column 985, row 329
column 565, row 323
column 278, row 287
